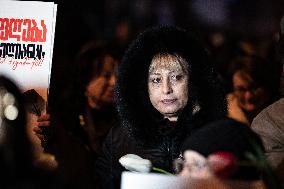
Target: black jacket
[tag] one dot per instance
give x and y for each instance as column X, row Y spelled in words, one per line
column 142, row 129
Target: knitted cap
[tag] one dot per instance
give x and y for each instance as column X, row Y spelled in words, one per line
column 229, row 136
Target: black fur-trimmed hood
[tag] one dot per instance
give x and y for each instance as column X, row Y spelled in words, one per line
column 137, row 115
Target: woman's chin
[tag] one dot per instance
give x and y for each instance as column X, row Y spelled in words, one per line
column 250, row 108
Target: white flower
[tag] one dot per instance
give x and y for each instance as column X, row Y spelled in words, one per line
column 135, row 163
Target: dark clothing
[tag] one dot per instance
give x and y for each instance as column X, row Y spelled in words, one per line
column 72, row 143
column 75, row 161
column 100, row 125
column 118, row 144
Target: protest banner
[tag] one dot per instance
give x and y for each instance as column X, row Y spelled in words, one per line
column 27, row 31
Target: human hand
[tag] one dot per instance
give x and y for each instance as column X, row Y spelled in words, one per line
column 42, row 129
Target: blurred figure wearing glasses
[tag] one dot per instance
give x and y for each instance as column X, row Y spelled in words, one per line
column 254, row 84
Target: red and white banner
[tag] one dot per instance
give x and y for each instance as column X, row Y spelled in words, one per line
column 26, row 43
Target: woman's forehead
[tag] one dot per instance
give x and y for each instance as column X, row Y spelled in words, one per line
column 168, row 62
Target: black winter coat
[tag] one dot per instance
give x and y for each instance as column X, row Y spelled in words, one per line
column 118, row 144
column 142, row 129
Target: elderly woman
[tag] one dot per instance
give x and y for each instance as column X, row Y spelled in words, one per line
column 166, row 89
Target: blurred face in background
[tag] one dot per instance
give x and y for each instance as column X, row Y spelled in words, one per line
column 251, row 97
column 168, row 84
column 100, row 89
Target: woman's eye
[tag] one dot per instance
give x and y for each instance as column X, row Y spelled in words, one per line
column 156, row 80
column 176, row 77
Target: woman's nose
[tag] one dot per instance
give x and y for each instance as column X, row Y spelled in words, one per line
column 248, row 94
column 166, row 87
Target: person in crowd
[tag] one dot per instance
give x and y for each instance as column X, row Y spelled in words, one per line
column 166, row 89
column 83, row 115
column 97, row 76
column 229, row 137
column 269, row 125
column 17, row 168
column 254, row 84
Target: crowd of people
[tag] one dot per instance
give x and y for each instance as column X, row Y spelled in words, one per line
column 158, row 98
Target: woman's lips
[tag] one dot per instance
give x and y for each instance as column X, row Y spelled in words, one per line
column 168, row 101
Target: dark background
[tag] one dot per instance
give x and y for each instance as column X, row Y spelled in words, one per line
column 226, row 21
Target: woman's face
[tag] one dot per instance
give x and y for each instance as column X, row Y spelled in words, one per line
column 251, row 97
column 99, row 91
column 168, row 85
